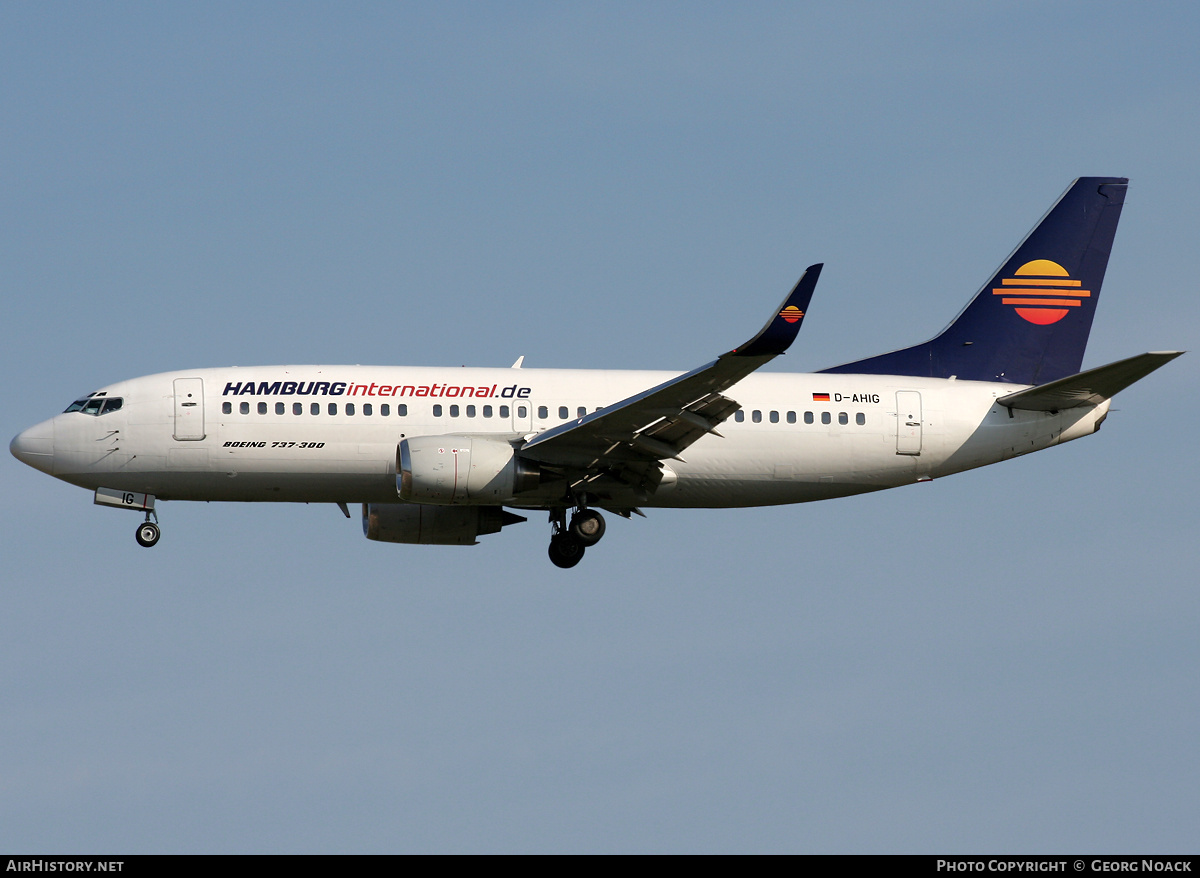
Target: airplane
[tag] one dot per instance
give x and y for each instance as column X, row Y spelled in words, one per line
column 442, row 456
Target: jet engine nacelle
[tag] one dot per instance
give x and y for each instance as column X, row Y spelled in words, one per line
column 433, row 525
column 461, row 470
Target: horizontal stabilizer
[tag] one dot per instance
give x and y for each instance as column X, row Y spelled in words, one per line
column 1088, row 388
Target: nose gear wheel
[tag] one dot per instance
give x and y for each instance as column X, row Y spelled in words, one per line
column 147, row 534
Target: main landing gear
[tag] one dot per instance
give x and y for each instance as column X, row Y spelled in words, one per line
column 569, row 541
column 148, row 531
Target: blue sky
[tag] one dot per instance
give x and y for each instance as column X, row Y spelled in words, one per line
column 1001, row 661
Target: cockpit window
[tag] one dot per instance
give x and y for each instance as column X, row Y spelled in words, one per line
column 95, row 406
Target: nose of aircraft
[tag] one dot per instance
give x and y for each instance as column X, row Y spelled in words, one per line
column 35, row 446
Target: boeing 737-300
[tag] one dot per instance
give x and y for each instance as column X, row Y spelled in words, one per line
column 441, row 456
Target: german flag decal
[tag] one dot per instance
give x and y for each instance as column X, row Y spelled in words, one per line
column 820, row 397
column 791, row 314
column 1041, row 292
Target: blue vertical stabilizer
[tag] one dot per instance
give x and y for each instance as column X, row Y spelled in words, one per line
column 1030, row 322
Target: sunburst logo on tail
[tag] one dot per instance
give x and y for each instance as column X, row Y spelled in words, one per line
column 1042, row 292
column 791, row 313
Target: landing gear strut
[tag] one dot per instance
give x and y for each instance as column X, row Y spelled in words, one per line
column 148, row 532
column 568, row 543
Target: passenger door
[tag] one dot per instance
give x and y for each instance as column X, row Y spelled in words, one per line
column 189, row 409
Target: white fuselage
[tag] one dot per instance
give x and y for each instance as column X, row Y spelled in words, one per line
column 330, row 434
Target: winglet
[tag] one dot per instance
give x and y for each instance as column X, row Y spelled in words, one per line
column 781, row 330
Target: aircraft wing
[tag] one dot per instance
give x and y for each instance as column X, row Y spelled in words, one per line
column 627, row 440
column 1091, row 387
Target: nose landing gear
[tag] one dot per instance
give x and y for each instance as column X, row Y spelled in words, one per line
column 568, row 542
column 147, row 532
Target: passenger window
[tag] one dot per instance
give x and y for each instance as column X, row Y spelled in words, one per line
column 470, row 411
column 454, row 411
column 385, row 409
column 563, row 413
column 543, row 412
column 226, row 408
column 262, row 408
column 244, row 408
column 756, row 416
column 522, row 411
column 349, row 408
column 843, row 418
column 279, row 408
column 315, row 408
column 739, row 416
column 368, row 409
column 791, row 417
column 825, row 418
column 808, row 417
column 487, row 411
column 504, row 411
column 581, row 411
column 402, row 410
column 774, row 417
column 437, row 411
column 297, row 408
column 860, row 419
column 333, row 408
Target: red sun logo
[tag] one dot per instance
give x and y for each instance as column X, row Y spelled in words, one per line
column 1042, row 292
